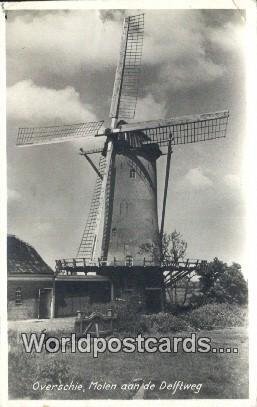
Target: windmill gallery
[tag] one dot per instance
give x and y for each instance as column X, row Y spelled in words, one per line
column 110, row 262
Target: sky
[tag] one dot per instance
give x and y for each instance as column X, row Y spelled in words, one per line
column 60, row 70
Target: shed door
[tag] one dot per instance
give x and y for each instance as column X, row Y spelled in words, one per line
column 45, row 300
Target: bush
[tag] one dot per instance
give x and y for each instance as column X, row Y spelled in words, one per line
column 164, row 322
column 25, row 369
column 130, row 320
column 221, row 283
column 217, row 316
column 22, row 372
column 128, row 315
column 126, row 311
column 54, row 371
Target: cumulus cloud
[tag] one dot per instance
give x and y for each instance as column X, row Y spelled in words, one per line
column 28, row 103
column 113, row 15
column 149, row 109
column 178, row 42
column 13, row 195
column 42, row 227
column 189, row 74
column 232, row 181
column 229, row 37
column 63, row 42
column 195, row 178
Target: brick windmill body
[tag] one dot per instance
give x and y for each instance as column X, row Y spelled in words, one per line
column 131, row 218
column 123, row 213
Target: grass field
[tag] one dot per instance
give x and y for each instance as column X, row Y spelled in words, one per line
column 221, row 375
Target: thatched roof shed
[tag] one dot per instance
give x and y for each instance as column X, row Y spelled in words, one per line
column 24, row 259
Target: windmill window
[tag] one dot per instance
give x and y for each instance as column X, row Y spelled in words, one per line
column 114, row 232
column 129, row 261
column 124, row 208
column 132, row 173
column 18, row 296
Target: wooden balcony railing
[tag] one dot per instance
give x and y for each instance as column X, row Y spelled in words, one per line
column 81, row 264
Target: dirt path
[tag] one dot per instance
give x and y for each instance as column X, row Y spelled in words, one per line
column 36, row 325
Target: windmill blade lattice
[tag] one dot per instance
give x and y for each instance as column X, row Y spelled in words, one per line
column 184, row 130
column 56, row 134
column 125, row 90
column 88, row 238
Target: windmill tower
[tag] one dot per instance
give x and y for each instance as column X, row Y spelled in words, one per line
column 123, row 212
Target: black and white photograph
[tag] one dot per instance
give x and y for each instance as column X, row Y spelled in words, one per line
column 126, row 222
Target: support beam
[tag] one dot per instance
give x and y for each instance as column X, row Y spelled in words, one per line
column 53, row 301
column 166, row 188
column 99, row 226
column 112, row 291
column 82, row 152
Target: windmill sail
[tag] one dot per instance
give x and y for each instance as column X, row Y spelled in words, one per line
column 125, row 88
column 56, row 134
column 187, row 129
column 87, row 243
column 94, row 235
column 100, row 219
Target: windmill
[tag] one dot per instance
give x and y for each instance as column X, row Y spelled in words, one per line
column 123, row 212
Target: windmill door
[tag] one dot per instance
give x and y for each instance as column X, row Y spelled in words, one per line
column 45, row 301
column 153, row 300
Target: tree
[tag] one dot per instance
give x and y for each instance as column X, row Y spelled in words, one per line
column 222, row 283
column 173, row 246
column 174, row 249
column 233, row 285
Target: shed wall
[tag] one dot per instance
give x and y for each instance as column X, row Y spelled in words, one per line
column 28, row 309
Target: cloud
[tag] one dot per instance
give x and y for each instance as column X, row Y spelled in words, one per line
column 232, row 181
column 177, row 44
column 228, row 37
column 149, row 109
column 42, row 227
column 13, row 195
column 196, row 179
column 185, row 46
column 182, row 44
column 189, row 74
column 63, row 42
column 28, row 103
column 112, row 15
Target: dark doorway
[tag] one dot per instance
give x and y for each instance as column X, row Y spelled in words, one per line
column 153, row 300
column 45, row 300
column 73, row 296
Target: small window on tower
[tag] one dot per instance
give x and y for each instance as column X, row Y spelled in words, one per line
column 114, row 231
column 124, row 208
column 129, row 261
column 132, row 173
column 18, row 297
